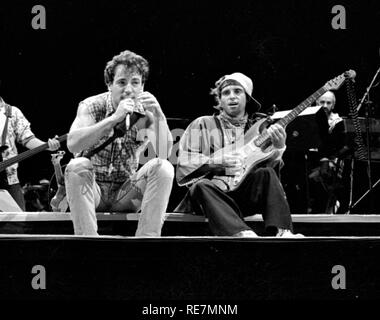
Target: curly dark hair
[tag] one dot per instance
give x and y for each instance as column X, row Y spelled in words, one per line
column 130, row 60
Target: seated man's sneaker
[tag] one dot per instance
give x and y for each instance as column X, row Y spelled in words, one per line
column 285, row 233
column 246, row 234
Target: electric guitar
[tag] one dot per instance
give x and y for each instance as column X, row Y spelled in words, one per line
column 59, row 202
column 22, row 156
column 256, row 147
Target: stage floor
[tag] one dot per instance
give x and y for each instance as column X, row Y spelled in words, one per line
column 338, row 259
column 197, row 269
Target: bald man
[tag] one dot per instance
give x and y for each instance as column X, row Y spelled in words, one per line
column 329, row 173
column 327, row 102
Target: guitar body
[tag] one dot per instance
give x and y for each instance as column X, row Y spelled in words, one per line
column 59, row 201
column 253, row 155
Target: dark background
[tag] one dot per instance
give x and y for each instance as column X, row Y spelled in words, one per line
column 289, row 48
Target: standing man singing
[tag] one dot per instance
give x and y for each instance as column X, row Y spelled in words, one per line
column 110, row 179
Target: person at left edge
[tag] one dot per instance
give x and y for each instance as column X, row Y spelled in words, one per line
column 17, row 130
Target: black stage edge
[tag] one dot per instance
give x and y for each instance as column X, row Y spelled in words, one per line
column 197, row 269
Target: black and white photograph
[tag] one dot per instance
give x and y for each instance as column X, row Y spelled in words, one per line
column 188, row 158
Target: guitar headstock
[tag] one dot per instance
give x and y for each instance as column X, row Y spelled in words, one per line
column 57, row 157
column 350, row 74
column 335, row 83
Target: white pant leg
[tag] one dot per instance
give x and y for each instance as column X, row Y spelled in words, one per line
column 149, row 188
column 83, row 195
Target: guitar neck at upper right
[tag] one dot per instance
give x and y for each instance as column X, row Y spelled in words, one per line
column 335, row 83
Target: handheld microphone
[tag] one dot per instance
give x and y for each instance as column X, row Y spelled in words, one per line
column 128, row 121
column 133, row 116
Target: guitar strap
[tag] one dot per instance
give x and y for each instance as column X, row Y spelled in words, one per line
column 8, row 114
column 119, row 131
column 219, row 126
column 88, row 154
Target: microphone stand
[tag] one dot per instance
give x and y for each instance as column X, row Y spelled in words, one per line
column 365, row 100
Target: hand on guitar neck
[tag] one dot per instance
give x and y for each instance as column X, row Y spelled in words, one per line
column 35, row 145
column 52, row 144
column 277, row 134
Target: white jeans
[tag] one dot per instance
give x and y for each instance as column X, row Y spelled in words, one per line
column 149, row 189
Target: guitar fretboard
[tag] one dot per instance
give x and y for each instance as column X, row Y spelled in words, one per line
column 28, row 153
column 264, row 137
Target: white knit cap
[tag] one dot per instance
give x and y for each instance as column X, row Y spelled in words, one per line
column 244, row 81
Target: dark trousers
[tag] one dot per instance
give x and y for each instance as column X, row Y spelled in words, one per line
column 261, row 191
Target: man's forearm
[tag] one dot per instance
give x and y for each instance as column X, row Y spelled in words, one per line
column 34, row 143
column 83, row 138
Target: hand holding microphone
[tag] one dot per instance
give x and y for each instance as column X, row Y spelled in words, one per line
column 125, row 109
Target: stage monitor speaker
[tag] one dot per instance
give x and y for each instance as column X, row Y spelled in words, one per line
column 307, row 131
column 7, row 203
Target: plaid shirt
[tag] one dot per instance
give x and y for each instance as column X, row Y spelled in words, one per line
column 119, row 160
column 18, row 131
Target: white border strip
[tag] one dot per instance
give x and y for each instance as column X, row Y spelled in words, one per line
column 106, row 216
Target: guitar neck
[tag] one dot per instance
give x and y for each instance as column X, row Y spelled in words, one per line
column 293, row 114
column 301, row 107
column 58, row 173
column 28, row 153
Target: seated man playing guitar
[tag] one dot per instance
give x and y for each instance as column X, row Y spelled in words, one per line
column 14, row 127
column 211, row 173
